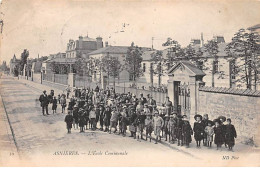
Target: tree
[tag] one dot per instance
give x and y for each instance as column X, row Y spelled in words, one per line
column 112, row 66
column 54, row 67
column 24, row 56
column 212, row 50
column 245, row 46
column 133, row 61
column 80, row 64
column 195, row 56
column 160, row 65
column 3, row 67
column 175, row 52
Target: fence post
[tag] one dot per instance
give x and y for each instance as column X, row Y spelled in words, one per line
column 71, row 79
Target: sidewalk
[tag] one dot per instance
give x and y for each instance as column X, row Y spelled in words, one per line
column 9, row 154
column 40, row 87
column 199, row 153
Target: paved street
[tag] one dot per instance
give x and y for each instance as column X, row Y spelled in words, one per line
column 41, row 138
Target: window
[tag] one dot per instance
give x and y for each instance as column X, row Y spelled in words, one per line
column 232, row 68
column 151, row 67
column 215, row 66
column 144, row 67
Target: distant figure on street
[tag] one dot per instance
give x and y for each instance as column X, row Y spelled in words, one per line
column 54, row 105
column 69, row 121
column 59, row 98
column 63, row 103
column 68, row 91
column 44, row 102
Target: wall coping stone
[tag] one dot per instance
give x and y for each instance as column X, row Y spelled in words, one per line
column 234, row 91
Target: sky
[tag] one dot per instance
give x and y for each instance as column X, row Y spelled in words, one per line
column 45, row 26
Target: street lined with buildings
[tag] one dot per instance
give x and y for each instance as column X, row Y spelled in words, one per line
column 45, row 137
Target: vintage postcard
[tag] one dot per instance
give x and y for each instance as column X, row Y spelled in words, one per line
column 96, row 83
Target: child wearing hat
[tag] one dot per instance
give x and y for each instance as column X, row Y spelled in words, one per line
column 124, row 121
column 138, row 125
column 147, row 110
column 107, row 116
column 113, row 120
column 187, row 131
column 209, row 131
column 81, row 120
column 179, row 134
column 158, row 125
column 69, row 121
column 230, row 134
column 198, row 129
column 171, row 128
column 92, row 118
column 148, row 127
column 219, row 134
column 75, row 116
column 165, row 128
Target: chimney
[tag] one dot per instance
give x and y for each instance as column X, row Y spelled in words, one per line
column 106, row 44
column 80, row 42
column 99, row 42
column 202, row 40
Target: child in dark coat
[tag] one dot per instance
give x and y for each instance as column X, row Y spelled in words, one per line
column 198, row 129
column 69, row 121
column 219, row 135
column 230, row 135
column 81, row 119
column 187, row 131
column 75, row 116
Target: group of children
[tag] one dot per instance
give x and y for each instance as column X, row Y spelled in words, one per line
column 115, row 112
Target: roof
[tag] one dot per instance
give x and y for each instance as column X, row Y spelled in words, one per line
column 196, row 71
column 86, row 38
column 254, row 27
column 62, row 60
column 147, row 54
column 221, row 49
column 111, row 49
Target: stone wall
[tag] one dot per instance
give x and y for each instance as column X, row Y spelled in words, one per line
column 243, row 107
column 37, row 77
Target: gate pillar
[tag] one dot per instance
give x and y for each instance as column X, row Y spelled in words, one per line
column 184, row 81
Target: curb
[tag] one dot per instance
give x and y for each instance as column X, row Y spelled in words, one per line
column 11, row 128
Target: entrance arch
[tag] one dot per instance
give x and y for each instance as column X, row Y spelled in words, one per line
column 184, row 81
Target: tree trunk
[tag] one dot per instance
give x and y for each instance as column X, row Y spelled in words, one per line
column 249, row 75
column 151, row 78
column 213, row 73
column 159, row 79
column 114, row 83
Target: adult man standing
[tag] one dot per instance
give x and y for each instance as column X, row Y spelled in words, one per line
column 44, row 102
column 142, row 99
column 168, row 105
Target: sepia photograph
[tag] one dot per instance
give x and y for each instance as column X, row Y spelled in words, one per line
column 134, row 83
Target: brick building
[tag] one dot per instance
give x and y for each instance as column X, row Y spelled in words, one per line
column 83, row 45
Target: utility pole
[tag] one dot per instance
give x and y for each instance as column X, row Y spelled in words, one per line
column 152, row 42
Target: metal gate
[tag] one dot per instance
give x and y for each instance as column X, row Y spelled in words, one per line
column 181, row 98
column 184, row 98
